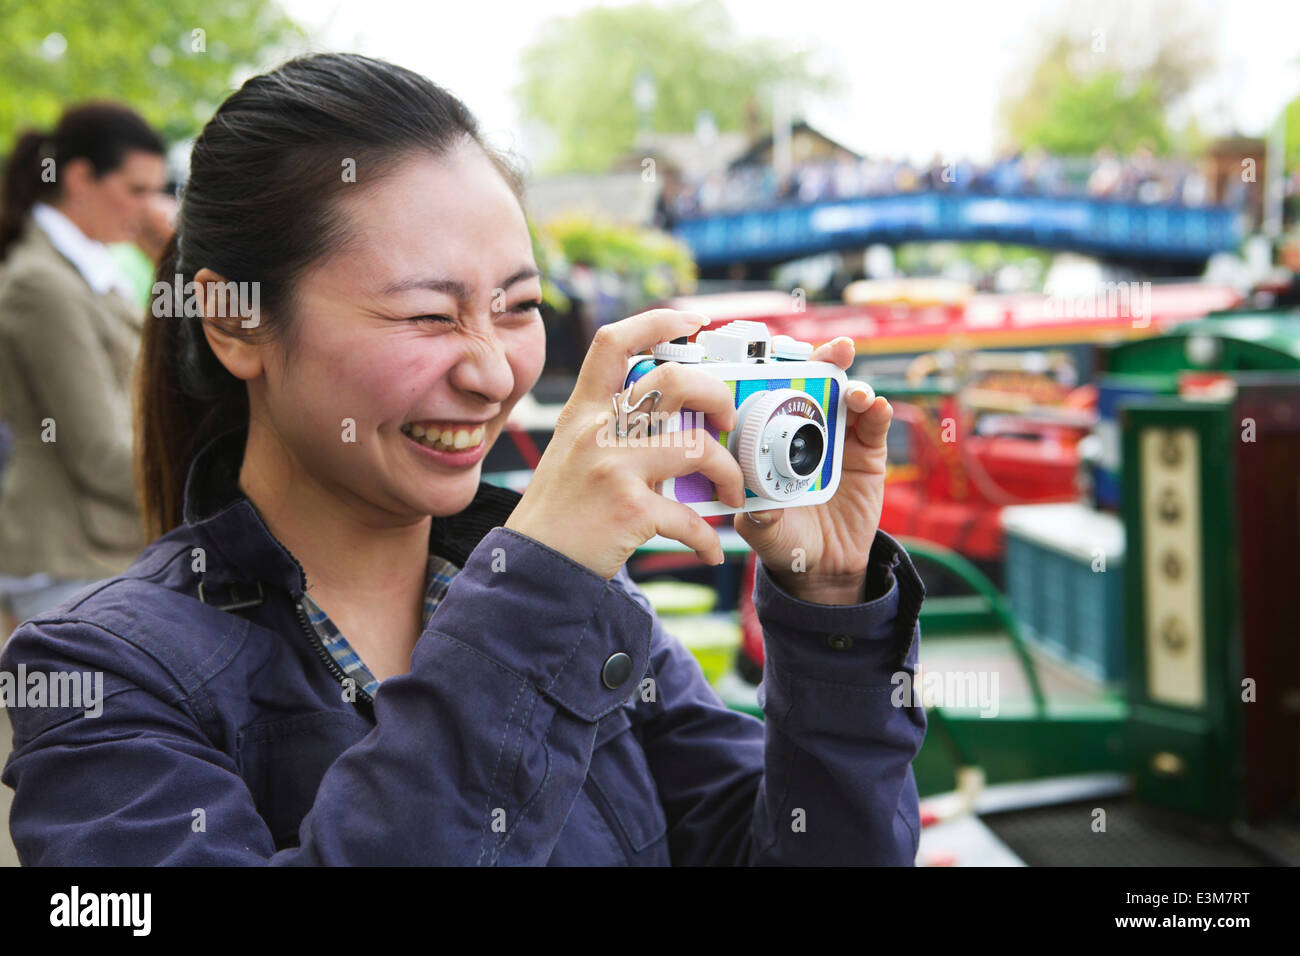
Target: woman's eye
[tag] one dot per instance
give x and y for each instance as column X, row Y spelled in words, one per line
column 531, row 305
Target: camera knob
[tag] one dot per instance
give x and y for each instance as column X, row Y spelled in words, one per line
column 675, row 352
column 788, row 347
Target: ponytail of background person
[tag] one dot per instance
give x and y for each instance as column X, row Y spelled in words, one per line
column 22, row 187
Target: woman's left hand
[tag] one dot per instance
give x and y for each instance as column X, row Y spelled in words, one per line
column 819, row 553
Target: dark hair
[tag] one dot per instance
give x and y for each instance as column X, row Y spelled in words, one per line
column 100, row 132
column 259, row 206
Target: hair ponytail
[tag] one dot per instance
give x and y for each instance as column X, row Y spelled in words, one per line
column 184, row 397
column 22, row 187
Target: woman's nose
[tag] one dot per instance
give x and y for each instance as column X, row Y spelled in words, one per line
column 484, row 368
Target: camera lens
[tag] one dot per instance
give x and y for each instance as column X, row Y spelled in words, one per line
column 781, row 441
column 806, row 450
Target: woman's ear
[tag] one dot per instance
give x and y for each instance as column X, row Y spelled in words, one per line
column 241, row 353
column 77, row 176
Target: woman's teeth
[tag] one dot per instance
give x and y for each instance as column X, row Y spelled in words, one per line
column 445, row 439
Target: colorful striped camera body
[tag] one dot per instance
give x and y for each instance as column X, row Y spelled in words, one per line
column 789, row 434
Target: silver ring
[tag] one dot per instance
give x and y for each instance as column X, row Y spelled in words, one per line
column 622, row 410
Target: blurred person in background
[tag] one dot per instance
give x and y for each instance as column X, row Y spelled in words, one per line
column 905, row 178
column 1008, row 173
column 934, row 175
column 1042, row 173
column 1141, row 179
column 69, row 333
column 1194, row 189
column 963, row 175
column 1104, row 182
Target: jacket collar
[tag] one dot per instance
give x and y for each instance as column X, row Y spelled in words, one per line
column 90, row 258
column 119, row 300
column 226, row 523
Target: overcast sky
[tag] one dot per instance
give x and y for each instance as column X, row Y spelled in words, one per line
column 923, row 77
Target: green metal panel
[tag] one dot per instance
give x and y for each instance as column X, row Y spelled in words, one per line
column 1021, row 748
column 1186, row 756
column 1195, row 783
column 958, row 614
column 1240, row 343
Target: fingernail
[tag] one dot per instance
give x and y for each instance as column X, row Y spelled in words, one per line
column 754, row 518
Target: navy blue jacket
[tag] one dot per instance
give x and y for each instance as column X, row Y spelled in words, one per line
column 227, row 737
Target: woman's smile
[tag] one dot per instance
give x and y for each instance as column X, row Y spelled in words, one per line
column 453, row 443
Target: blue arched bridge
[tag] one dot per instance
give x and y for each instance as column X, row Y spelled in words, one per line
column 1149, row 232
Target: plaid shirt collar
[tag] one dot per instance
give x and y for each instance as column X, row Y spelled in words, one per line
column 441, row 572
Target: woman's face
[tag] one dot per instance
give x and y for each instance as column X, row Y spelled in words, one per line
column 428, row 322
column 112, row 207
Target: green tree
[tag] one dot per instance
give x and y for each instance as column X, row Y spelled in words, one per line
column 1291, row 115
column 1107, row 76
column 578, row 77
column 1103, row 109
column 173, row 62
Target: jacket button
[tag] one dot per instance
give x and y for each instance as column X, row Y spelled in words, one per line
column 616, row 670
column 840, row 642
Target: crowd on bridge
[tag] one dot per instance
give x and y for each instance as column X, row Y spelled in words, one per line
column 1139, row 177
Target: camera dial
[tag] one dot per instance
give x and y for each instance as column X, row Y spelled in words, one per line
column 685, row 352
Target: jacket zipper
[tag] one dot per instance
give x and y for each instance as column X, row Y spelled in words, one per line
column 326, row 657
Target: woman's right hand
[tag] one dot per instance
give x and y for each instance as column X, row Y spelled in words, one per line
column 592, row 499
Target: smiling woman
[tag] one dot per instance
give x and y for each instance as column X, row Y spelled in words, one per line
column 344, row 646
column 360, row 276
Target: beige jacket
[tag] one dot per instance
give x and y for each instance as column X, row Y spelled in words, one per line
column 68, row 505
